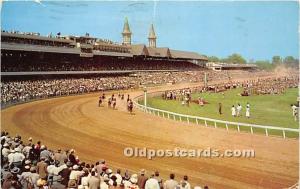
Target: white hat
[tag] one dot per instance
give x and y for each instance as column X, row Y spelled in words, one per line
column 30, row 139
column 108, row 171
column 43, row 147
column 5, row 145
column 27, row 162
column 197, row 187
column 17, row 149
column 27, row 167
column 75, row 167
column 143, row 171
column 133, row 178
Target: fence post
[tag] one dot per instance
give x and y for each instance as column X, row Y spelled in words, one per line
column 188, row 120
column 180, row 118
column 238, row 127
column 163, row 114
column 267, row 134
column 196, row 121
column 215, row 124
column 205, row 123
column 226, row 126
column 251, row 129
column 283, row 132
column 168, row 115
column 174, row 117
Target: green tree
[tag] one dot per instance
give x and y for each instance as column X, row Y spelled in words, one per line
column 290, row 61
column 236, row 59
column 276, row 60
column 264, row 64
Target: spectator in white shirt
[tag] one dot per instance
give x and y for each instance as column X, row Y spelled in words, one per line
column 171, row 183
column 152, row 183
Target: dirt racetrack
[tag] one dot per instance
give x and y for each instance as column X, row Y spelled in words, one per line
column 102, row 133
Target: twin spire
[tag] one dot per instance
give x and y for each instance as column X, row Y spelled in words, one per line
column 152, row 37
column 127, row 35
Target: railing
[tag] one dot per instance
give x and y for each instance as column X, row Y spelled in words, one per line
column 295, row 186
column 214, row 122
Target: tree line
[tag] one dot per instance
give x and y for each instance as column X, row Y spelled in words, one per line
column 288, row 61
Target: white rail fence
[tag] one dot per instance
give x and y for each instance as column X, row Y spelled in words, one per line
column 216, row 123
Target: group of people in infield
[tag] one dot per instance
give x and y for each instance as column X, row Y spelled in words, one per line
column 236, row 111
column 29, row 164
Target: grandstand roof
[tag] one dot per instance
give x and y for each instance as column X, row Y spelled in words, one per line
column 139, row 50
column 142, row 50
column 159, row 52
column 39, row 48
column 186, row 55
column 36, row 37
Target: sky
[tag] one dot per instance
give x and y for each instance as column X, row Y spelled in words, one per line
column 256, row 30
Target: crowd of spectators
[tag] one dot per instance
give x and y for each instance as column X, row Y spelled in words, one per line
column 26, row 90
column 270, row 86
column 30, row 165
column 69, row 65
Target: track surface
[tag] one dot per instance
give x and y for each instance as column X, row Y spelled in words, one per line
column 102, row 133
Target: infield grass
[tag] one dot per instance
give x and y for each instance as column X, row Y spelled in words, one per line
column 271, row 110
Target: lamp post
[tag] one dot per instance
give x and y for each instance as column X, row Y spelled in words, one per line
column 205, row 79
column 145, row 96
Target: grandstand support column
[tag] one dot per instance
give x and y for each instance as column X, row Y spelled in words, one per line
column 145, row 96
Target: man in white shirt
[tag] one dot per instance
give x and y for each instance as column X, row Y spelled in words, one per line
column 104, row 182
column 17, row 158
column 239, row 109
column 152, row 183
column 171, row 183
column 233, row 112
column 119, row 177
column 74, row 173
column 184, row 184
column 26, row 150
column 295, row 111
column 5, row 150
column 24, row 177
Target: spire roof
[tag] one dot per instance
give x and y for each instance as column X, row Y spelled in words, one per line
column 152, row 33
column 126, row 28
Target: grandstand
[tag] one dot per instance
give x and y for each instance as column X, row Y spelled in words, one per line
column 219, row 66
column 31, row 52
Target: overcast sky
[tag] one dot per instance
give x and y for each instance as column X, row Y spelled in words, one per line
column 256, row 30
